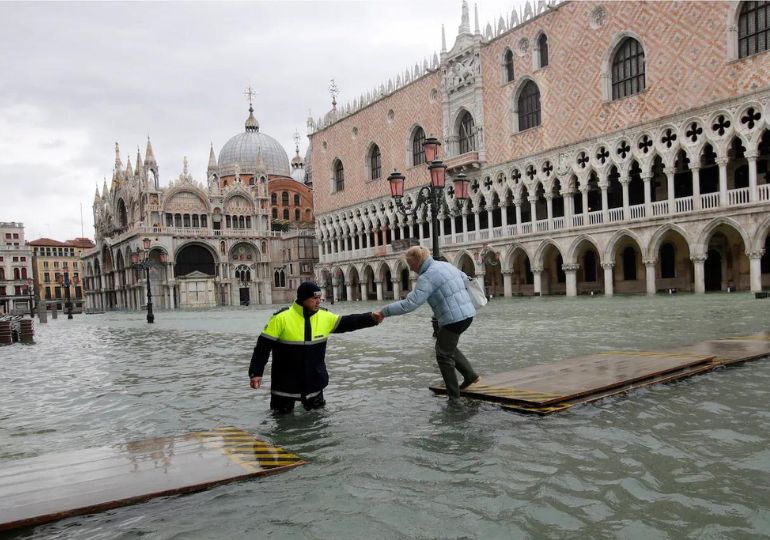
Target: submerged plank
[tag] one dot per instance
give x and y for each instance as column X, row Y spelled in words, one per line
column 51, row 487
column 732, row 350
column 554, row 383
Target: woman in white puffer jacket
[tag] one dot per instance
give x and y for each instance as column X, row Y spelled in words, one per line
column 443, row 287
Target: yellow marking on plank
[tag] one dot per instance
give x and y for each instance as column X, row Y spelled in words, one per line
column 245, row 450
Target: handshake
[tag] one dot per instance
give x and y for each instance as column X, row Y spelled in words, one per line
column 378, row 316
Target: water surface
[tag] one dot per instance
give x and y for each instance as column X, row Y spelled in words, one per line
column 387, row 459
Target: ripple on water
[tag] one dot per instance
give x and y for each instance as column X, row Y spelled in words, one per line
column 386, row 459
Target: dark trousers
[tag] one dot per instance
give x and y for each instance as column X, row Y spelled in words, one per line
column 449, row 357
column 283, row 404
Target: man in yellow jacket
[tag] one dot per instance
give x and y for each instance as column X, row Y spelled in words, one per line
column 296, row 336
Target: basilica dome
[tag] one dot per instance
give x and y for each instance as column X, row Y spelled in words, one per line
column 244, row 151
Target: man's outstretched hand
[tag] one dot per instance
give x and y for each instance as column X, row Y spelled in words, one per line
column 255, row 382
column 378, row 316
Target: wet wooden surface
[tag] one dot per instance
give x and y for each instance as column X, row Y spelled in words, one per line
column 50, row 487
column 549, row 388
column 557, row 382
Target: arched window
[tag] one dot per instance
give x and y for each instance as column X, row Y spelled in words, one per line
column 286, row 214
column 285, row 198
column 542, row 44
column 508, row 65
column 629, row 264
column 529, row 106
column 753, row 28
column 297, row 214
column 273, row 199
column 418, row 152
column 667, row 261
column 628, row 69
column 589, row 266
column 339, row 176
column 296, row 199
column 275, row 213
column 467, row 133
column 375, row 163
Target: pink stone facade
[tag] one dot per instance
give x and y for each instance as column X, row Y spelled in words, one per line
column 688, row 65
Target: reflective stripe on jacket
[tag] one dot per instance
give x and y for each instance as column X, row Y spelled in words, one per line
column 298, row 344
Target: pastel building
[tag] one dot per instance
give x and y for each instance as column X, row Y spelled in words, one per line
column 16, row 289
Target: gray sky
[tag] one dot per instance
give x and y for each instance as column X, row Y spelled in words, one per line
column 77, row 77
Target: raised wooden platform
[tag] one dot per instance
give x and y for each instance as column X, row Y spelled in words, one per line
column 51, row 487
column 550, row 388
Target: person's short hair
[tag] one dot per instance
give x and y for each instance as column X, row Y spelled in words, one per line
column 417, row 253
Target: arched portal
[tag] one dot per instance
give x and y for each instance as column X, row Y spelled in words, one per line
column 673, row 268
column 552, row 279
column 194, row 258
column 355, row 284
column 522, row 279
column 628, row 273
column 726, row 246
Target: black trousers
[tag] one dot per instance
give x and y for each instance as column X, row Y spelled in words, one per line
column 283, row 404
column 449, row 357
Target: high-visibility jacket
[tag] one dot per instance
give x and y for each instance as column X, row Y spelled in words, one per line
column 297, row 340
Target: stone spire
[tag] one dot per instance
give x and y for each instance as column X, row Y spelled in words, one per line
column 105, row 190
column 443, row 39
column 118, row 163
column 139, row 164
column 465, row 24
column 149, row 157
column 476, row 19
column 96, row 195
column 212, row 160
column 129, row 170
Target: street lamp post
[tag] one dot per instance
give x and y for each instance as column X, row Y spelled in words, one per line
column 141, row 261
column 431, row 196
column 67, row 298
column 31, row 298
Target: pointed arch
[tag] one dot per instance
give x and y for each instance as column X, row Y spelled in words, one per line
column 573, row 250
column 710, row 229
column 609, row 252
column 656, row 240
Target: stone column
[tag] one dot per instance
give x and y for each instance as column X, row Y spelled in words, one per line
column 362, row 289
column 335, row 292
column 722, row 162
column 751, row 157
column 517, row 202
column 349, row 292
column 503, row 216
column 670, row 185
column 699, row 273
column 569, row 208
column 171, row 301
column 549, row 208
column 624, row 184
column 649, row 265
column 533, row 210
column 537, row 272
column 605, row 203
column 696, row 203
column 584, row 194
column 453, row 227
column 609, row 269
column 476, row 220
column 507, row 284
column 755, row 269
column 646, row 177
column 570, row 273
column 396, row 290
column 379, row 290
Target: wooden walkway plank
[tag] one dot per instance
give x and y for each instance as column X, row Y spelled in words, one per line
column 549, row 388
column 47, row 488
column 575, row 377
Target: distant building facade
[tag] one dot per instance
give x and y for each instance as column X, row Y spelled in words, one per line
column 211, row 243
column 611, row 146
column 16, row 288
column 51, row 260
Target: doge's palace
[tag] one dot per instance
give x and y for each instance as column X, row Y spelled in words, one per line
column 612, row 147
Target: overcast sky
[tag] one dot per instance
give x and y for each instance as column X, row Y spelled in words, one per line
column 77, row 77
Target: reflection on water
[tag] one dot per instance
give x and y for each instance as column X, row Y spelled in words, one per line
column 386, row 459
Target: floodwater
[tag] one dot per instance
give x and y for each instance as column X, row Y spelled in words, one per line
column 386, row 458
